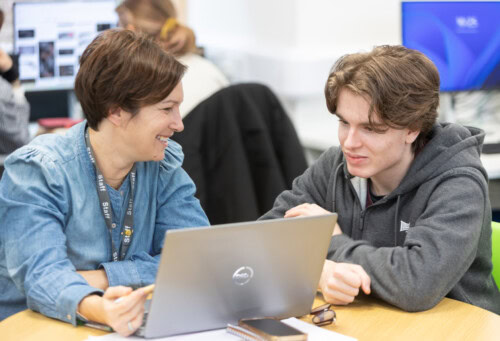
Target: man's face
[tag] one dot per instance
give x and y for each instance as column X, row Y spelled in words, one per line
column 370, row 154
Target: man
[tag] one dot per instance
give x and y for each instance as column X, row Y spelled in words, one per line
column 14, row 109
column 411, row 194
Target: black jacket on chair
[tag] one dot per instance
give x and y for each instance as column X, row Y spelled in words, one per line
column 241, row 150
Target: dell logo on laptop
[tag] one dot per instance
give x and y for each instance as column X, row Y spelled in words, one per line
column 243, row 275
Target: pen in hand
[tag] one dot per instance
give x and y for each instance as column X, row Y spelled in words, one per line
column 147, row 289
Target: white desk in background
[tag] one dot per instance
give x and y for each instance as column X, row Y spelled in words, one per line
column 491, row 163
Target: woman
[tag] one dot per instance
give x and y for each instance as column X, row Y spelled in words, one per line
column 157, row 18
column 84, row 215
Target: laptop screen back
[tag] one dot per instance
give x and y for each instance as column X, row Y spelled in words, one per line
column 212, row 276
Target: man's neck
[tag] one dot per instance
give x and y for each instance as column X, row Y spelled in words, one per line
column 387, row 181
column 112, row 163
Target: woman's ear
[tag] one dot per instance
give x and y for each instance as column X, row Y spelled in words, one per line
column 116, row 115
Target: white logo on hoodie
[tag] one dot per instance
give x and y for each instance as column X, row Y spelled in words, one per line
column 404, row 226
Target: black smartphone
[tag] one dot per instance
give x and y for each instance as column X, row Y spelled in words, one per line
column 272, row 329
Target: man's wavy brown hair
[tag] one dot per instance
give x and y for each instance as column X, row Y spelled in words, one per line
column 401, row 85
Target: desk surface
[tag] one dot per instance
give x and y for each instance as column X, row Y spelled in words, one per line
column 365, row 319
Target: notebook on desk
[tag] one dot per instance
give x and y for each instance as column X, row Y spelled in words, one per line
column 209, row 277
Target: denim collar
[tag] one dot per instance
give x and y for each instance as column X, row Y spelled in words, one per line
column 77, row 132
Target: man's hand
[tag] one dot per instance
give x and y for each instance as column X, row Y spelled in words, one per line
column 337, row 230
column 5, row 61
column 306, row 210
column 124, row 316
column 340, row 282
column 96, row 278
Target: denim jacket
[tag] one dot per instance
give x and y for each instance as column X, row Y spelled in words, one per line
column 51, row 224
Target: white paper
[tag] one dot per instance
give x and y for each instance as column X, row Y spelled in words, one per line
column 313, row 332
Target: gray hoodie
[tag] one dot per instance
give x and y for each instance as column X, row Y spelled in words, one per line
column 429, row 238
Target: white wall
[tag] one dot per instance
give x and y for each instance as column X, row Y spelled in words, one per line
column 291, row 45
column 347, row 25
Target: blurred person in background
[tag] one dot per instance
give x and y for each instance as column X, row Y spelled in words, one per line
column 14, row 108
column 158, row 19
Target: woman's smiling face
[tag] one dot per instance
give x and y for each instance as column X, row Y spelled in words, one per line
column 146, row 134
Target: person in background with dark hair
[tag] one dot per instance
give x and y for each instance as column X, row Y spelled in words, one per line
column 411, row 194
column 14, row 108
column 84, row 215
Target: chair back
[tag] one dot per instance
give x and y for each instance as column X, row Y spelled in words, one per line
column 241, row 151
column 495, row 247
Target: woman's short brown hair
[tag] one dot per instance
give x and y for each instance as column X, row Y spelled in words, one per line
column 124, row 69
column 401, row 84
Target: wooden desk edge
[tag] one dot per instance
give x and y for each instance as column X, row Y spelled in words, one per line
column 365, row 319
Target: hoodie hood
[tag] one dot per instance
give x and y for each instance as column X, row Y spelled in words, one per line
column 450, row 146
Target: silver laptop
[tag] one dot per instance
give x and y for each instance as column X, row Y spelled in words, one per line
column 211, row 276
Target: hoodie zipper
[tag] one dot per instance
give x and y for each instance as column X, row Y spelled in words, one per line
column 362, row 214
column 357, row 231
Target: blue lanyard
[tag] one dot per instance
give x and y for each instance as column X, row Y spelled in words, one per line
column 107, row 210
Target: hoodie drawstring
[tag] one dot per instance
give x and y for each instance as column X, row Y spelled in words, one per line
column 396, row 222
column 335, row 185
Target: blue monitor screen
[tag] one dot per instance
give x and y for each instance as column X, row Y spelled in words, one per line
column 461, row 38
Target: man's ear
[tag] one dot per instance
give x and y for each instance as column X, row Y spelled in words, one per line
column 116, row 115
column 412, row 136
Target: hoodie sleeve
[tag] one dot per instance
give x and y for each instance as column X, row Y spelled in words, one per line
column 436, row 253
column 310, row 187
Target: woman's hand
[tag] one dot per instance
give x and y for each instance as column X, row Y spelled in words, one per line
column 340, row 282
column 124, row 316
